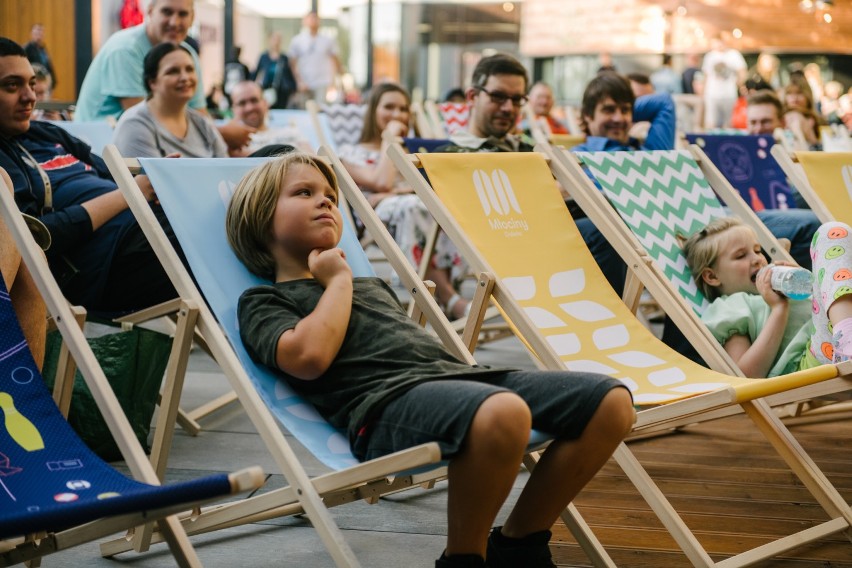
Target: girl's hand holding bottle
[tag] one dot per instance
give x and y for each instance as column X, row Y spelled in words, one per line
column 789, row 280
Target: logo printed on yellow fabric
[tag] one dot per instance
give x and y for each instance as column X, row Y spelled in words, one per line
column 497, row 196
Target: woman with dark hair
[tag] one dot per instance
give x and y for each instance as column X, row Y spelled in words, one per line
column 406, row 217
column 274, row 75
column 164, row 124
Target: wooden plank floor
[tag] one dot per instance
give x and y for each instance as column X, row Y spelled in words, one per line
column 731, row 489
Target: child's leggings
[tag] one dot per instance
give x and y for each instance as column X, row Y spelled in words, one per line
column 831, row 253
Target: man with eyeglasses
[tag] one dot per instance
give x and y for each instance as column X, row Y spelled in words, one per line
column 499, row 91
column 251, row 109
column 496, row 97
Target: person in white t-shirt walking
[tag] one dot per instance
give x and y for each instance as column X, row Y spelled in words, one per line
column 724, row 69
column 313, row 59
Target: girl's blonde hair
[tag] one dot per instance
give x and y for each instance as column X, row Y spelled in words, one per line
column 702, row 250
column 248, row 221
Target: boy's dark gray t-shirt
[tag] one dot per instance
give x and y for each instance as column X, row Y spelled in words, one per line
column 384, row 353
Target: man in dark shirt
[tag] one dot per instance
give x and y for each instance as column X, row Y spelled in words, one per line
column 691, row 76
column 98, row 254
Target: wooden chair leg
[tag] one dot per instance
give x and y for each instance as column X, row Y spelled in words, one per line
column 578, row 527
column 63, row 386
column 426, row 259
column 169, row 405
column 478, row 307
column 416, row 313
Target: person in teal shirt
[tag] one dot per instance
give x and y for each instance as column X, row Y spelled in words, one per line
column 114, row 82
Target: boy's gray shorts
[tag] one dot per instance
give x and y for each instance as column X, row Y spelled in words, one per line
column 561, row 403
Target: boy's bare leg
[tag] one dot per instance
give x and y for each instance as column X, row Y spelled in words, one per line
column 481, row 477
column 566, row 466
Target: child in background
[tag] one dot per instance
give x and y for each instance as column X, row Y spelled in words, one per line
column 766, row 333
column 349, row 348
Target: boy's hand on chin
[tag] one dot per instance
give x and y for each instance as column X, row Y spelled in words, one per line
column 328, row 264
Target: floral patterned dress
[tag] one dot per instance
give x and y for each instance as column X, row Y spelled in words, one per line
column 407, row 218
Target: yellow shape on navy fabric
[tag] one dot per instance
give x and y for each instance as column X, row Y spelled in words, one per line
column 19, row 427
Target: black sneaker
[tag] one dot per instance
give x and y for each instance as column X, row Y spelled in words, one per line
column 460, row 561
column 531, row 551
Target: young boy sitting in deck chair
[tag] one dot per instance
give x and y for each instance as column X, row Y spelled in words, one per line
column 348, row 347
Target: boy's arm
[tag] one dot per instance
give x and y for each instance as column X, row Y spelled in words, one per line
column 307, row 351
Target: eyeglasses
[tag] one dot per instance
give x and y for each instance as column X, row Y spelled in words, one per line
column 499, row 98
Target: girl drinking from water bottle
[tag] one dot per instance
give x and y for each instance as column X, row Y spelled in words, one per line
column 766, row 332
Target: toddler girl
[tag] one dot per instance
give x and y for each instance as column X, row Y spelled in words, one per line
column 766, row 333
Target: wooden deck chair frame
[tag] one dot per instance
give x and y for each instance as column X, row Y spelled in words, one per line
column 314, row 109
column 347, row 486
column 351, row 484
column 645, row 273
column 567, row 169
column 303, row 495
column 487, row 332
column 460, row 347
column 803, row 410
column 539, row 128
column 820, row 203
column 32, row 549
column 748, row 397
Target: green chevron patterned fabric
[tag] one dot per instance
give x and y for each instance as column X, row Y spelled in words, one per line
column 659, row 195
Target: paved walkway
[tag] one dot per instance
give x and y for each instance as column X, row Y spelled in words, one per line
column 406, row 529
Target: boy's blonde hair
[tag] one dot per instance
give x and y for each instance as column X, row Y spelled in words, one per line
column 702, row 250
column 248, row 221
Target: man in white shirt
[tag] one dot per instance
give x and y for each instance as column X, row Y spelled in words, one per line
column 724, row 69
column 313, row 59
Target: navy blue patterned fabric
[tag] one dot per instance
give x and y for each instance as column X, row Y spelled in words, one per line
column 747, row 164
column 424, row 145
column 49, row 480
